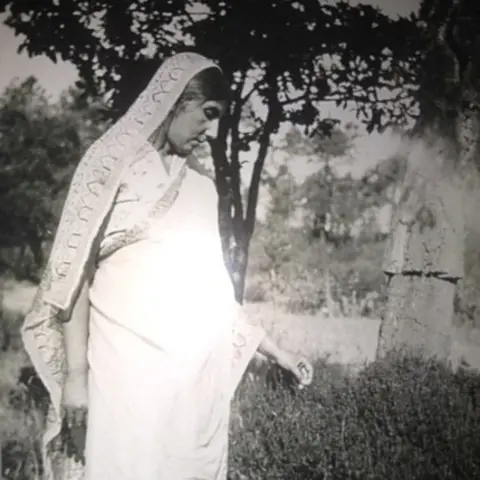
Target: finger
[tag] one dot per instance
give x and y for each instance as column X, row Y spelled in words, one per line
column 63, row 436
column 79, row 417
column 298, row 374
column 309, row 373
column 302, row 367
column 69, row 417
column 57, row 442
column 308, row 379
column 69, row 447
column 306, row 371
column 78, row 436
column 79, row 458
column 75, row 451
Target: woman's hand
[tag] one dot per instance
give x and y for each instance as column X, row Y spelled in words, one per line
column 299, row 366
column 75, row 404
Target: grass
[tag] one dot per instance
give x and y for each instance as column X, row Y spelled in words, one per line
column 399, row 418
column 402, row 418
column 20, row 420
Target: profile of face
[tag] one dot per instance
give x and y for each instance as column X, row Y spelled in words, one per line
column 193, row 122
column 196, row 115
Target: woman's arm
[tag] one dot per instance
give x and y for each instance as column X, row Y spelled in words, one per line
column 270, row 349
column 75, row 332
column 76, row 328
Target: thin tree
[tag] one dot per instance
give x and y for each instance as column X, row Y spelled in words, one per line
column 288, row 57
column 424, row 261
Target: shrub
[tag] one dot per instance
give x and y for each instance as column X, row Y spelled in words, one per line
column 20, row 419
column 400, row 418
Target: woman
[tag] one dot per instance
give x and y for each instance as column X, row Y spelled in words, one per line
column 136, row 274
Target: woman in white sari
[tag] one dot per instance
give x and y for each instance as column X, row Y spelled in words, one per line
column 135, row 320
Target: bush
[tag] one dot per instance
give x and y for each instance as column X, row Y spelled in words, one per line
column 400, row 418
column 20, row 422
column 20, row 419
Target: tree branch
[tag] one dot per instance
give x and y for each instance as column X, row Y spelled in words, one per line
column 270, row 124
column 235, row 184
column 446, row 37
column 245, row 99
column 291, row 101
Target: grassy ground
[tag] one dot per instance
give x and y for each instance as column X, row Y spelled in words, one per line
column 351, row 341
column 401, row 418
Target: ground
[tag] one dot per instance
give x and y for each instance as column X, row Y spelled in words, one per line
column 350, row 341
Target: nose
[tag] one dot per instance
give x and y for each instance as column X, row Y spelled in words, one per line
column 211, row 129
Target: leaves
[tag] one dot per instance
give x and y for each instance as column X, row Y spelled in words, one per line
column 286, row 56
column 326, row 142
column 40, row 145
column 295, row 47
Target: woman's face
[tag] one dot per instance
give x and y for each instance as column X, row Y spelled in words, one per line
column 191, row 124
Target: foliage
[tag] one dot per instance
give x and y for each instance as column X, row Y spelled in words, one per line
column 319, row 146
column 327, row 223
column 40, row 144
column 308, row 52
column 400, row 418
column 21, row 418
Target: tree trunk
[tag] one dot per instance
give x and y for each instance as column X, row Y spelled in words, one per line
column 237, row 223
column 329, row 303
column 328, row 293
column 238, row 265
column 424, row 258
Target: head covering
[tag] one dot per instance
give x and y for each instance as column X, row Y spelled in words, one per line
column 97, row 178
column 89, row 200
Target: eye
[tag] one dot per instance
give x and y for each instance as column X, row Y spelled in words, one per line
column 212, row 113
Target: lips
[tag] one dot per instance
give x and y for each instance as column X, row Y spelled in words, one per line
column 200, row 139
column 196, row 142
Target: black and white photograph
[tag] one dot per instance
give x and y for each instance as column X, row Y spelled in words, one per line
column 240, row 240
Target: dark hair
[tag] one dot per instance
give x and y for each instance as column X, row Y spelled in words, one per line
column 208, row 85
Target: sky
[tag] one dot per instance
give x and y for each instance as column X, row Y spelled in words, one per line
column 369, row 149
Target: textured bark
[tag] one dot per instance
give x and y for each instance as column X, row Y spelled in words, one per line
column 424, row 257
column 418, row 316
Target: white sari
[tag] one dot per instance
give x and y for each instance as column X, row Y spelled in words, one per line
column 168, row 344
column 161, row 349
